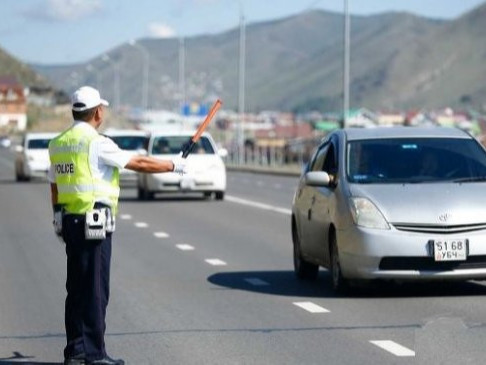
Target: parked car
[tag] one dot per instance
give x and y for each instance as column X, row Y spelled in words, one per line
column 392, row 203
column 133, row 141
column 206, row 172
column 32, row 156
column 5, row 142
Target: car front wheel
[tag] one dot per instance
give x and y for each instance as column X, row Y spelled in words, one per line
column 339, row 282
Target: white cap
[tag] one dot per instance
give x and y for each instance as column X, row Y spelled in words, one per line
column 85, row 98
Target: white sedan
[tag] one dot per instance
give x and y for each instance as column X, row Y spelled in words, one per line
column 132, row 141
column 206, row 172
column 32, row 159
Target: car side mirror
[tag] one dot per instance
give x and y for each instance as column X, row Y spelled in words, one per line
column 222, row 152
column 317, row 178
column 19, row 148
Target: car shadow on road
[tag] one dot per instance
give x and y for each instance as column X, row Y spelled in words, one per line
column 285, row 283
column 166, row 199
column 18, row 358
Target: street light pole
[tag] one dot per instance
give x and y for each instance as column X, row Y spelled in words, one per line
column 241, row 85
column 90, row 68
column 182, row 73
column 145, row 74
column 346, row 64
column 116, row 80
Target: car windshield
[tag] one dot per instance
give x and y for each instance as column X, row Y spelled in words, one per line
column 415, row 160
column 130, row 143
column 38, row 144
column 172, row 145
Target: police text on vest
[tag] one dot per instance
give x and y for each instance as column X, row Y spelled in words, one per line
column 64, row 168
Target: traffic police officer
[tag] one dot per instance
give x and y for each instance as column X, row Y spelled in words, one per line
column 85, row 188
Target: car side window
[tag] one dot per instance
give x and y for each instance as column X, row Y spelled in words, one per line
column 330, row 161
column 318, row 162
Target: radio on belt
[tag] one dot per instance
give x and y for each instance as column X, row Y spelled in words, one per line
column 95, row 227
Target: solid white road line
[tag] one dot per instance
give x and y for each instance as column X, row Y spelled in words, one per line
column 311, row 307
column 141, row 225
column 258, row 205
column 215, row 262
column 256, row 281
column 393, row 347
column 161, row 235
column 125, row 217
column 185, row 247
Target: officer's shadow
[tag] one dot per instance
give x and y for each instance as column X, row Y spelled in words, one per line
column 18, row 358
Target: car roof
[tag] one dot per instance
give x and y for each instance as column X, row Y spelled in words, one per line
column 125, row 132
column 404, row 132
column 177, row 134
column 35, row 135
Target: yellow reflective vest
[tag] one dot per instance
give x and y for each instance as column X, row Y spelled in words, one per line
column 78, row 189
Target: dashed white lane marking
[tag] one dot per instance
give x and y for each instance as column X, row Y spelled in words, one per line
column 393, row 347
column 215, row 262
column 311, row 307
column 258, row 205
column 125, row 217
column 161, row 235
column 185, row 247
column 256, row 281
column 141, row 225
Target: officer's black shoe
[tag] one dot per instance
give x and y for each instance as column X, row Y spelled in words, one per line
column 75, row 360
column 107, row 361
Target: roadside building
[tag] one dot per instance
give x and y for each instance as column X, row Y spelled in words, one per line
column 13, row 105
column 390, row 118
column 361, row 118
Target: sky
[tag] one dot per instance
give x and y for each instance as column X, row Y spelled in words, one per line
column 76, row 31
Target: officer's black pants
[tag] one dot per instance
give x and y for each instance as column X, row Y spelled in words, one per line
column 88, row 290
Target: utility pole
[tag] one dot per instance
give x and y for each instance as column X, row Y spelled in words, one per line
column 346, row 64
column 116, row 81
column 182, row 73
column 241, row 86
column 145, row 73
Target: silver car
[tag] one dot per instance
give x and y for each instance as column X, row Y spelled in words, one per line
column 392, row 203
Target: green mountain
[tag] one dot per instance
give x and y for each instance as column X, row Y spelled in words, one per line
column 23, row 73
column 398, row 60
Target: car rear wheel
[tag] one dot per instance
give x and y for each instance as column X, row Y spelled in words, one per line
column 219, row 195
column 303, row 269
column 144, row 194
column 339, row 283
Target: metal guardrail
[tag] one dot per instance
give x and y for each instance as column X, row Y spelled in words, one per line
column 283, row 170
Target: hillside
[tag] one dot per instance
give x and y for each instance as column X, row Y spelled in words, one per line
column 9, row 66
column 398, row 60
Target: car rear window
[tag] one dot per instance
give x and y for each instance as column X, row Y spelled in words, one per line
column 172, row 145
column 131, row 143
column 414, row 160
column 38, row 144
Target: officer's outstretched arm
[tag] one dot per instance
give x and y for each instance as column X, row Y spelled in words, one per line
column 149, row 164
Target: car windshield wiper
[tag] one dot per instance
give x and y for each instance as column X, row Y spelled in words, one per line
column 470, row 179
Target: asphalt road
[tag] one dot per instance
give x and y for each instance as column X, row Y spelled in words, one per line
column 207, row 282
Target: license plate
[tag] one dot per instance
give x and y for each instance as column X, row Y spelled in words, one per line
column 450, row 250
column 188, row 184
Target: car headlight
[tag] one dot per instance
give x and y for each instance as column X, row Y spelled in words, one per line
column 366, row 214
